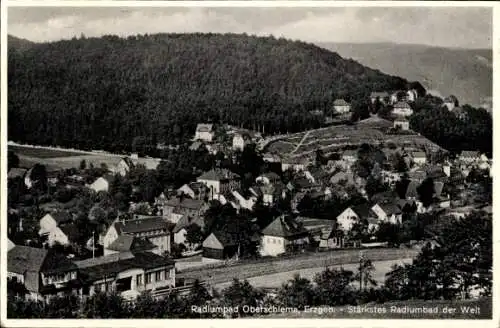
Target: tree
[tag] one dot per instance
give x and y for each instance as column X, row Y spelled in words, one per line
column 297, row 292
column 83, row 165
column 194, row 235
column 12, row 160
column 240, row 294
column 374, row 186
column 334, row 287
column 426, row 192
column 105, row 306
column 198, row 295
column 365, row 274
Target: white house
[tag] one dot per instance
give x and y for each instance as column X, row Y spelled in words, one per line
column 411, row 95
column 219, row 181
column 51, row 221
column 402, row 123
column 204, row 132
column 341, row 106
column 281, row 235
column 351, row 215
column 240, row 140
column 293, row 163
column 419, row 157
column 350, row 156
column 100, row 184
column 402, row 108
column 388, row 212
column 123, row 166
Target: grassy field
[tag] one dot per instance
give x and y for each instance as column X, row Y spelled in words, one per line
column 42, row 152
column 436, row 309
column 277, row 279
column 244, row 270
column 329, row 138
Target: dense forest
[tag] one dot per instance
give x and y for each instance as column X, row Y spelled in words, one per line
column 104, row 92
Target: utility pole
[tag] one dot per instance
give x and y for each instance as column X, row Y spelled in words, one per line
column 93, row 244
column 361, row 259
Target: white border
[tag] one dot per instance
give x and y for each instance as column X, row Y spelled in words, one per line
column 270, row 323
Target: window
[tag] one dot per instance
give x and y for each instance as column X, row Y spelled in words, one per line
column 138, row 279
column 73, row 275
column 149, row 277
column 158, row 275
column 167, row 274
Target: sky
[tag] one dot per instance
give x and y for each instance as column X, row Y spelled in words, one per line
column 461, row 27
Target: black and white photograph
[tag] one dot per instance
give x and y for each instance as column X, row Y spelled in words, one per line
column 256, row 162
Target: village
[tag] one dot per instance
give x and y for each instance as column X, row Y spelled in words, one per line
column 357, row 194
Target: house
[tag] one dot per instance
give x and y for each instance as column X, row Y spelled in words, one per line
column 450, row 102
column 204, row 132
column 240, row 140
column 419, row 157
column 388, row 212
column 44, row 273
column 302, row 184
column 341, row 106
column 282, row 235
column 53, row 220
column 195, row 190
column 333, row 238
column 246, row 203
column 220, row 246
column 468, row 156
column 411, row 95
column 350, row 156
column 402, row 108
column 316, row 227
column 180, row 229
column 294, row 163
column 16, row 172
column 156, row 229
column 271, row 158
column 411, row 190
column 130, row 243
column 383, row 97
column 10, row 244
column 459, row 112
column 351, row 215
column 219, row 181
column 101, row 183
column 123, row 166
column 65, row 235
column 127, row 273
column 390, row 177
column 402, row 124
column 272, row 192
column 178, row 206
column 268, row 178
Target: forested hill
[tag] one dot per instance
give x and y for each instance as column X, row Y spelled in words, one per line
column 102, row 92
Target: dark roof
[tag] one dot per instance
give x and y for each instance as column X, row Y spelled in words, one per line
column 142, row 225
column 272, row 176
column 27, row 261
column 185, row 202
column 401, row 104
column 469, row 153
column 411, row 190
column 362, row 210
column 128, row 161
column 314, row 223
column 302, row 183
column 110, row 267
column 186, row 221
column 390, row 208
column 16, row 172
column 340, row 102
column 284, row 227
column 197, row 187
column 379, row 94
column 128, row 243
column 61, row 217
column 71, row 231
column 218, row 174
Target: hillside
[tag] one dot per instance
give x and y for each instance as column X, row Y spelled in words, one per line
column 104, row 92
column 465, row 73
column 18, row 43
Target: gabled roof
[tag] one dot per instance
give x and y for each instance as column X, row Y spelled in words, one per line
column 225, row 239
column 218, row 175
column 142, row 225
column 272, row 176
column 10, row 244
column 186, row 221
column 411, row 190
column 185, row 202
column 204, row 127
column 71, row 231
column 16, row 172
column 469, row 154
column 27, row 261
column 438, row 188
column 379, row 94
column 402, row 104
column 390, row 208
column 340, row 102
column 61, row 217
column 362, row 210
column 128, row 243
column 284, row 227
column 111, row 265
